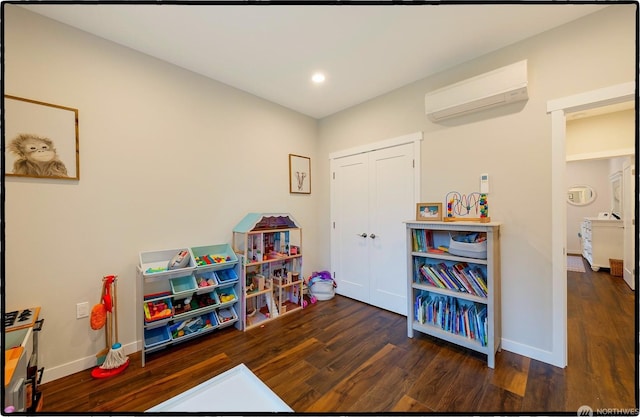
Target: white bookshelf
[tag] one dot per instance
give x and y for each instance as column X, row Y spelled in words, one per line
column 468, row 286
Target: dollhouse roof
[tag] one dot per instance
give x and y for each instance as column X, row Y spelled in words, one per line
column 263, row 221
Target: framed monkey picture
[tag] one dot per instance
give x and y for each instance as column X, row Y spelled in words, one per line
column 299, row 174
column 41, row 139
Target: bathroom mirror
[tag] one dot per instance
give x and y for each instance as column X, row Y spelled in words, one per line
column 580, row 195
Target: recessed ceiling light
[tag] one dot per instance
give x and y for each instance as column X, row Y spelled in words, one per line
column 318, row 78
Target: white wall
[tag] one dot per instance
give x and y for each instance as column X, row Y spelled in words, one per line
column 167, row 159
column 512, row 144
column 604, row 134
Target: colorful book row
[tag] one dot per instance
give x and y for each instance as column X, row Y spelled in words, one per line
column 422, row 240
column 449, row 314
column 457, row 277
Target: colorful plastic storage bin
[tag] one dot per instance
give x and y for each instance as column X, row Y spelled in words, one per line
column 214, row 257
column 192, row 326
column 156, row 310
column 156, row 336
column 227, row 276
column 226, row 316
column 182, row 285
column 156, row 263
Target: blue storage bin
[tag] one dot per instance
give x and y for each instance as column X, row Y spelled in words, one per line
column 183, row 285
column 226, row 295
column 166, row 314
column 193, row 326
column 227, row 316
column 156, row 336
column 227, row 276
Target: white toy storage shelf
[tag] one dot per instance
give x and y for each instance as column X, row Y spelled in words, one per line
column 184, row 303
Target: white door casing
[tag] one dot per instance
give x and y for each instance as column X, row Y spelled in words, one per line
column 557, row 109
column 628, row 220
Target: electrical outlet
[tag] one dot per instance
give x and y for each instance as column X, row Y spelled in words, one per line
column 82, row 310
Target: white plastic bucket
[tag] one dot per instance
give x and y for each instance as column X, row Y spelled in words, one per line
column 322, row 290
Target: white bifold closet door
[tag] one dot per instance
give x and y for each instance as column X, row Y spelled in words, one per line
column 372, row 194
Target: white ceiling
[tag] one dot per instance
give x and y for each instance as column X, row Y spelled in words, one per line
column 271, row 51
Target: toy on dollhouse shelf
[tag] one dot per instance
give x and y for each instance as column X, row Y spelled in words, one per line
column 211, row 259
column 461, row 205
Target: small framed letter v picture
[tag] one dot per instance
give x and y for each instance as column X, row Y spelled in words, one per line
column 299, row 174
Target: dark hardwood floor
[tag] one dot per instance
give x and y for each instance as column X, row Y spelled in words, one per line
column 343, row 356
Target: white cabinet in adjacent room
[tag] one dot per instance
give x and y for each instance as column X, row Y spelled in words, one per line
column 602, row 239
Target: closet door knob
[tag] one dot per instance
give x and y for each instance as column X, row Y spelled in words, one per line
column 372, row 236
column 363, row 235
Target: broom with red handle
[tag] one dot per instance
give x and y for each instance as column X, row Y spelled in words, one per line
column 116, row 361
column 116, row 357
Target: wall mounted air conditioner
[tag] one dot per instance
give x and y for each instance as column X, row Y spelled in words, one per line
column 495, row 88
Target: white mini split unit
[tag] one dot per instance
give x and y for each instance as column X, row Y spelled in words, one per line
column 495, row 88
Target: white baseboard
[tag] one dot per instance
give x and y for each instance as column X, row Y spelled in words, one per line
column 56, row 372
column 530, row 352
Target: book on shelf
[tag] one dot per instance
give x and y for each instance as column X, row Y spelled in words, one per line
column 477, row 273
column 474, row 277
column 423, row 240
column 441, row 270
column 431, row 276
column 463, row 280
column 459, row 277
column 453, row 316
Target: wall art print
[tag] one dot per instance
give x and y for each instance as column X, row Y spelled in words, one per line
column 41, row 139
column 299, row 174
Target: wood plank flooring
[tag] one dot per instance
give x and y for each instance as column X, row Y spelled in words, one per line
column 342, row 356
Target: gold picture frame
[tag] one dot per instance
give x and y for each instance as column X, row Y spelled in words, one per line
column 42, row 139
column 299, row 174
column 429, row 212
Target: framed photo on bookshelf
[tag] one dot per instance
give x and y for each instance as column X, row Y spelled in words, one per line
column 429, row 211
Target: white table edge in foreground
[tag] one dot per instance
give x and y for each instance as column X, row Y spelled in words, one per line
column 236, row 390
